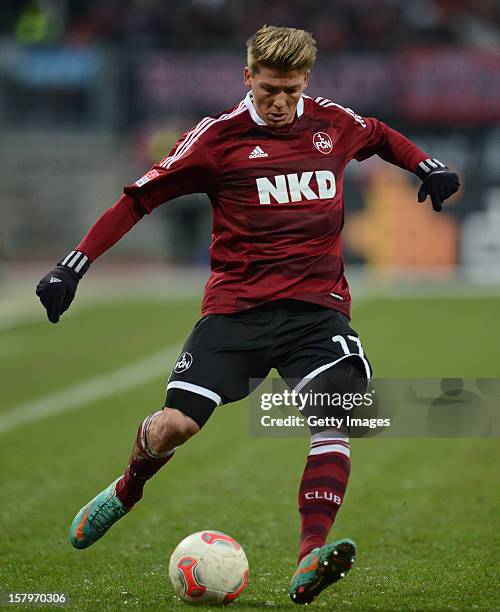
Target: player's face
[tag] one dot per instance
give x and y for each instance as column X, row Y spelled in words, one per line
column 276, row 94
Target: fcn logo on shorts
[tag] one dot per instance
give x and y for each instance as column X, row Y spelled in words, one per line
column 183, row 363
column 323, row 142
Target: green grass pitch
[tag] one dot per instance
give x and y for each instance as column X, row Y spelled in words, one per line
column 424, row 513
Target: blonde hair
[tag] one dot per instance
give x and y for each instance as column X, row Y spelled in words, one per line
column 281, row 48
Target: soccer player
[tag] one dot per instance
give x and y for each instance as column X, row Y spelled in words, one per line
column 273, row 167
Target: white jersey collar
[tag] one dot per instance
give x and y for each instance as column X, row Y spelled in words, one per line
column 257, row 118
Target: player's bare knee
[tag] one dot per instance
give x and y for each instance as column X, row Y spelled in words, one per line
column 172, row 428
column 185, row 427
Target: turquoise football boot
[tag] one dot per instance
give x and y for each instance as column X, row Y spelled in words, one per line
column 321, row 568
column 94, row 519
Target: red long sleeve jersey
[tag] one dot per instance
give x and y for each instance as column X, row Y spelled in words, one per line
column 276, row 195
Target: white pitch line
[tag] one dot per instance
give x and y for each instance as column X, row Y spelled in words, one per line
column 92, row 389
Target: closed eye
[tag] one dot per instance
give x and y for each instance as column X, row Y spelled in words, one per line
column 275, row 90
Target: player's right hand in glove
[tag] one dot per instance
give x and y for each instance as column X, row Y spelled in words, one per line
column 438, row 182
column 57, row 289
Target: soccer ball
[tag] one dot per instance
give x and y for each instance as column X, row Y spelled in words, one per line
column 208, row 567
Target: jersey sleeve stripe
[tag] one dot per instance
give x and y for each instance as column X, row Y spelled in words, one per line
column 198, row 131
column 241, row 107
column 189, row 136
column 186, row 145
column 324, row 102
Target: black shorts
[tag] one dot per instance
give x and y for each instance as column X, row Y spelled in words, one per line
column 225, row 356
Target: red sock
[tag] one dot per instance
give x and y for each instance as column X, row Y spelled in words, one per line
column 144, row 462
column 322, row 488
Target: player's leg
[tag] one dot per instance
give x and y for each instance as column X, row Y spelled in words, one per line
column 328, row 466
column 325, row 357
column 158, row 435
column 322, row 490
column 213, row 368
column 157, row 438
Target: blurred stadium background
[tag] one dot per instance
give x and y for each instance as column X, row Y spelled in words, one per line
column 91, row 93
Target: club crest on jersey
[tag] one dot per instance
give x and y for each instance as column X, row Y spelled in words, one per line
column 323, row 142
column 183, row 363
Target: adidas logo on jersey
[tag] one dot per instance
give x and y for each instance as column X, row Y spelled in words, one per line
column 257, row 152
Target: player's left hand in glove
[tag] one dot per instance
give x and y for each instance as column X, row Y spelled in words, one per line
column 438, row 182
column 57, row 289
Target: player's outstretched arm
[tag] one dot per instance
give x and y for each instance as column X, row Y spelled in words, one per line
column 57, row 289
column 370, row 136
column 189, row 168
column 438, row 182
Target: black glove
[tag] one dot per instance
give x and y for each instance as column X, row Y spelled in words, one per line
column 57, row 289
column 439, row 182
